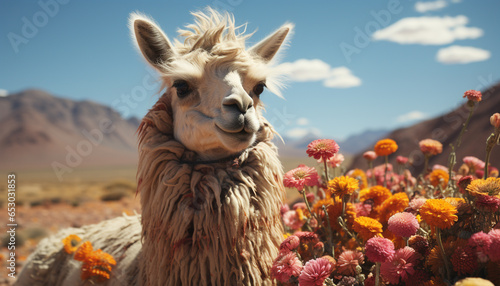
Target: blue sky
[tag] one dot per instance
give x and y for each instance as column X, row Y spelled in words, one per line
column 353, row 65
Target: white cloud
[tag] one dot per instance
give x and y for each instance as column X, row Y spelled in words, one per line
column 428, row 30
column 412, row 116
column 303, row 70
column 300, row 132
column 3, row 93
column 302, row 121
column 461, row 55
column 423, row 7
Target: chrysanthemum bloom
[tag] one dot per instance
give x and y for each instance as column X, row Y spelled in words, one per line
column 463, row 183
column 322, row 149
column 347, row 262
column 300, row 177
column 376, row 193
column 495, row 120
column 430, row 147
column 439, row 177
column 401, row 160
column 367, row 227
column 363, row 209
column 456, row 202
column 438, row 213
column 400, row 266
column 292, row 220
column 385, row 147
column 473, row 281
column 71, row 243
column 370, row 155
column 481, row 243
column 488, row 204
column 416, row 203
column 285, row 266
column 83, row 251
column 341, row 186
column 494, row 252
column 289, row 244
column 464, row 260
column 334, row 161
column 359, row 175
column 481, row 187
column 284, row 208
column 379, row 249
column 332, row 261
column 393, row 205
column 335, row 210
column 420, row 244
column 97, row 266
column 403, row 224
column 473, row 95
column 315, row 272
column 318, row 206
column 473, row 163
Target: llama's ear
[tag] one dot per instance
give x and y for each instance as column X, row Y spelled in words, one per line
column 151, row 41
column 267, row 48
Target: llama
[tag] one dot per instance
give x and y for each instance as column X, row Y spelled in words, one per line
column 209, row 178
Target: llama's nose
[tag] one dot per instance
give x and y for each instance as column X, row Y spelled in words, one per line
column 241, row 102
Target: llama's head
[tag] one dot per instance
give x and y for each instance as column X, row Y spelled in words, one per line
column 213, row 82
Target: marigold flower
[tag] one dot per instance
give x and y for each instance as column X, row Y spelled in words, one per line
column 376, row 193
column 393, row 205
column 481, row 187
column 473, row 281
column 439, row 177
column 400, row 266
column 385, row 147
column 83, row 251
column 71, row 243
column 367, row 227
column 403, row 224
column 379, row 249
column 359, row 175
column 370, row 155
column 494, row 252
column 285, row 266
column 341, row 186
column 464, row 260
column 335, row 210
column 430, row 147
column 347, row 262
column 300, row 177
column 315, row 272
column 495, row 120
column 439, row 213
column 97, row 266
column 473, row 95
column 318, row 206
column 322, row 149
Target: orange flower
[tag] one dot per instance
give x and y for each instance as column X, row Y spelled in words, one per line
column 393, row 205
column 360, row 176
column 97, row 266
column 84, row 251
column 439, row 177
column 430, row 147
column 481, row 187
column 341, row 186
column 335, row 210
column 438, row 213
column 318, row 206
column 367, row 227
column 71, row 243
column 385, row 147
column 376, row 193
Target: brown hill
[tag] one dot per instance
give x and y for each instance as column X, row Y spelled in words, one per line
column 39, row 130
column 446, row 129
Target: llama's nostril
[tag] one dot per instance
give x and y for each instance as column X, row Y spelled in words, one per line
column 242, row 103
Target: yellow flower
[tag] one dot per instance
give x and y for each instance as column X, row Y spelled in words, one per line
column 376, row 193
column 439, row 177
column 71, row 243
column 473, row 281
column 490, row 187
column 385, row 147
column 341, row 186
column 360, row 176
column 300, row 214
column 438, row 213
column 393, row 205
column 367, row 227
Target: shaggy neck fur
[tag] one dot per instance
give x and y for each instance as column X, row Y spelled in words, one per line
column 209, row 223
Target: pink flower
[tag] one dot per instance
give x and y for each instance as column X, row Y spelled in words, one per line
column 300, row 177
column 439, row 167
column 310, row 197
column 495, row 120
column 285, row 266
column 289, row 244
column 363, row 209
column 291, row 219
column 463, row 182
column 403, row 224
column 315, row 272
column 299, row 206
column 379, row 249
column 370, row 155
column 401, row 160
column 347, row 262
column 487, row 203
column 473, row 162
column 480, row 242
column 473, row 95
column 322, row 149
column 417, row 203
column 306, row 237
column 494, row 252
column 430, row 147
column 284, row 208
column 334, row 161
column 400, row 266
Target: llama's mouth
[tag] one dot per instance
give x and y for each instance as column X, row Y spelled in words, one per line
column 240, row 136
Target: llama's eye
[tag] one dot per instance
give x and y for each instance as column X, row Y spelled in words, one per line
column 259, row 88
column 182, row 88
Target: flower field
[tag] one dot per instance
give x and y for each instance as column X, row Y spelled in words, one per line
column 386, row 226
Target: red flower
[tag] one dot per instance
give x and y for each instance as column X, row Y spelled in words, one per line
column 473, row 95
column 322, row 149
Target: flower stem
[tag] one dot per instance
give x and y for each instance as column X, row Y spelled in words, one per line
column 452, row 160
column 307, row 204
column 426, row 165
column 490, row 143
column 443, row 254
column 464, row 126
column 377, row 273
column 329, row 230
column 326, row 172
column 385, row 174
